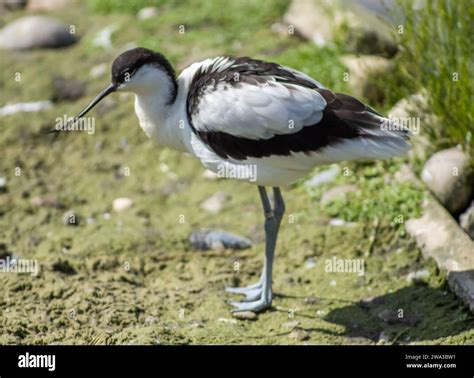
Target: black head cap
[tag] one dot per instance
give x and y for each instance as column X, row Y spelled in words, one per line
column 131, row 60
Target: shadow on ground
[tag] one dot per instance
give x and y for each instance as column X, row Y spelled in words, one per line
column 414, row 313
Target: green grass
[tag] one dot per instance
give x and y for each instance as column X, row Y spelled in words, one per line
column 437, row 46
column 126, row 6
column 390, row 202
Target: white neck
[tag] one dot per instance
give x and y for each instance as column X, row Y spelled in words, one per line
column 159, row 118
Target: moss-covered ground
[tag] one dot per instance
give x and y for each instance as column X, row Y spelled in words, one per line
column 132, row 277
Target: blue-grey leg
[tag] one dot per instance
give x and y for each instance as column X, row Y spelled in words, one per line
column 259, row 295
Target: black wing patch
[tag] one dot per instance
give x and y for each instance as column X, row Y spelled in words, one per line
column 344, row 117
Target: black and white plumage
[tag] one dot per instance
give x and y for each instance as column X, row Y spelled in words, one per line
column 244, row 112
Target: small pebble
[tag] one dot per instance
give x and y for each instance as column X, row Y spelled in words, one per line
column 299, row 334
column 204, row 240
column 310, row 263
column 323, row 177
column 311, row 300
column 246, row 315
column 122, row 203
column 225, row 320
column 418, row 276
column 337, row 222
column 3, row 184
column 147, row 12
column 383, row 339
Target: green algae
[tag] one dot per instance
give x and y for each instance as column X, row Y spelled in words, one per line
column 132, row 277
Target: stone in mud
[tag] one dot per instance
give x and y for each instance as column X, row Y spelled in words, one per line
column 323, row 177
column 448, row 175
column 245, row 315
column 420, row 276
column 35, row 32
column 122, row 204
column 299, row 334
column 147, row 12
column 216, row 239
column 364, row 72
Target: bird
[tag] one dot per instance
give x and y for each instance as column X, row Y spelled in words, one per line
column 250, row 115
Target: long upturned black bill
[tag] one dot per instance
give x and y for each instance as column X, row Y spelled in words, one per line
column 111, row 88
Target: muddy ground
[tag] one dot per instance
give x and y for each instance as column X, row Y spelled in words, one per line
column 132, row 277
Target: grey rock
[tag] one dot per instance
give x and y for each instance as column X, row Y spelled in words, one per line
column 35, row 32
column 466, row 220
column 323, row 22
column 364, row 70
column 147, row 12
column 439, row 236
column 448, row 175
column 337, row 192
column 323, row 177
column 217, row 239
column 3, row 184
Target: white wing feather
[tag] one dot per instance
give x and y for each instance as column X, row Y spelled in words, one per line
column 258, row 111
